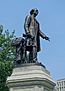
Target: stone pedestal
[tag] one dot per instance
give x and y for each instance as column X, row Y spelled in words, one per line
column 30, row 77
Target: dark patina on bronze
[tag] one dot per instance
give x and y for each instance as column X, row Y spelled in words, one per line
column 28, row 46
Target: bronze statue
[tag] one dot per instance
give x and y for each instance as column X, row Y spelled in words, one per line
column 27, row 47
column 19, row 43
column 32, row 30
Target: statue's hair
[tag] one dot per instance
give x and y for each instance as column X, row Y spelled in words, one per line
column 33, row 10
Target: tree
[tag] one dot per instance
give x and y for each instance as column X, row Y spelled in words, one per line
column 7, row 55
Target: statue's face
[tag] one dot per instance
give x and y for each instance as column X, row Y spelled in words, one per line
column 35, row 13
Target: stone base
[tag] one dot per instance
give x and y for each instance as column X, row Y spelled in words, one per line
column 30, row 77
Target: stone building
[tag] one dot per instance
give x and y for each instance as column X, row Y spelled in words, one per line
column 60, row 85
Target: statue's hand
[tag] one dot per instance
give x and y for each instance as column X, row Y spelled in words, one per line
column 47, row 38
column 30, row 36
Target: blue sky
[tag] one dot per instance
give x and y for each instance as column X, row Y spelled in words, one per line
column 52, row 22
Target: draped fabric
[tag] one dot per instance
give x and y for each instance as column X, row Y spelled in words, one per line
column 31, row 27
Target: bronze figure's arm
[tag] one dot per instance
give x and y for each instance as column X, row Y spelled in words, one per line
column 44, row 36
column 26, row 24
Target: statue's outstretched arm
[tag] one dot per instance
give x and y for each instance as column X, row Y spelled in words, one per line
column 44, row 36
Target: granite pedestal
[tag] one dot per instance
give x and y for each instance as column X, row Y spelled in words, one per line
column 30, row 77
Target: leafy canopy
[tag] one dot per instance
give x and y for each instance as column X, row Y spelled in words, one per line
column 7, row 55
column 6, row 50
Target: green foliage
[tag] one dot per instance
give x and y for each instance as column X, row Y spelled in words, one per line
column 6, row 50
column 5, row 71
column 7, row 54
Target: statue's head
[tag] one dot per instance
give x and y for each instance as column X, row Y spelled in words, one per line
column 34, row 11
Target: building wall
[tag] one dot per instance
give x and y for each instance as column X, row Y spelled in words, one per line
column 60, row 85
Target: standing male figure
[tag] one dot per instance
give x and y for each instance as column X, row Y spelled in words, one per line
column 32, row 30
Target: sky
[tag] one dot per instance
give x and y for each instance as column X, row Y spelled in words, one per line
column 52, row 22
